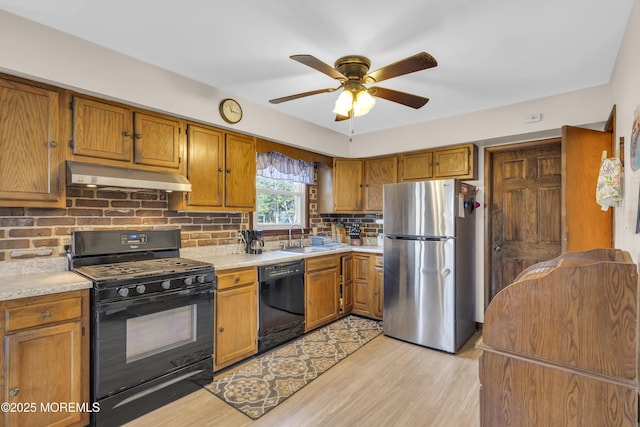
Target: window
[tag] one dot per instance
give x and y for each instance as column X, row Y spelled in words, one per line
column 279, row 203
column 281, row 191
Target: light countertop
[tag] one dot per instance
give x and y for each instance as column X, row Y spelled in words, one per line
column 16, row 285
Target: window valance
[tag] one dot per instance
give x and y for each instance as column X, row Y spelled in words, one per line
column 279, row 166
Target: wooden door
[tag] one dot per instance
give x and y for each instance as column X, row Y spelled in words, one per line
column 30, row 156
column 377, row 305
column 236, row 317
column 361, row 288
column 585, row 224
column 322, row 298
column 157, row 141
column 347, row 185
column 205, row 166
column 525, row 211
column 44, row 365
column 240, row 171
column 102, row 130
column 417, row 166
column 378, row 172
column 347, row 283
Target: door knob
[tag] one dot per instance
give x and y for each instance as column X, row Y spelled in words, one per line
column 497, row 249
column 14, row 392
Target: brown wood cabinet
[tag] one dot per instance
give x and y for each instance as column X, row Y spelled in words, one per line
column 348, row 184
column 322, row 293
column 221, row 167
column 458, row 161
column 377, row 172
column 47, row 357
column 560, row 344
column 117, row 134
column 31, row 160
column 346, row 284
column 236, row 316
column 367, row 285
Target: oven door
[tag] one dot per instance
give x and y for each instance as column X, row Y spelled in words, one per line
column 142, row 338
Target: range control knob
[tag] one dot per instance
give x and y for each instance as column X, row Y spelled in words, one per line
column 166, row 284
column 140, row 289
column 123, row 292
column 201, row 279
column 188, row 280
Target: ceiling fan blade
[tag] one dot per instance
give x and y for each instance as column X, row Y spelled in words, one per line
column 340, row 118
column 413, row 101
column 417, row 62
column 316, row 64
column 302, row 95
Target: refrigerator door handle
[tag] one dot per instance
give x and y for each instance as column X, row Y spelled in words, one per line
column 420, row 238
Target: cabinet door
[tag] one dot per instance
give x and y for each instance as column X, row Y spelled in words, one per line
column 377, row 173
column 44, row 366
column 240, row 171
column 346, row 282
column 347, row 185
column 322, row 298
column 101, row 130
column 361, row 288
column 157, row 141
column 205, row 166
column 377, row 292
column 452, row 162
column 31, row 160
column 236, row 318
column 417, row 166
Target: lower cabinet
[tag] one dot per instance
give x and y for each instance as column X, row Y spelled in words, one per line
column 322, row 293
column 47, row 359
column 367, row 285
column 236, row 316
column 346, row 284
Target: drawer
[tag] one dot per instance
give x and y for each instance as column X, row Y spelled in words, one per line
column 242, row 276
column 378, row 261
column 43, row 313
column 320, row 263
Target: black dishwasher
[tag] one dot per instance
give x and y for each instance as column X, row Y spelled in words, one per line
column 281, row 303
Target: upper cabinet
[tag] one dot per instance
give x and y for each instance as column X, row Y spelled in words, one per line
column 355, row 184
column 31, row 162
column 459, row 161
column 221, row 167
column 117, row 134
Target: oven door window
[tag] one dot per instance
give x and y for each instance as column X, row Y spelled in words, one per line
column 159, row 332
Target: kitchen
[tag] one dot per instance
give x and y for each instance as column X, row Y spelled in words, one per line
column 28, row 241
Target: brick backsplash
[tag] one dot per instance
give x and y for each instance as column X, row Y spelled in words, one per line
column 42, row 232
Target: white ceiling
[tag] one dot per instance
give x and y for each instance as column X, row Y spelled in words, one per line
column 490, row 52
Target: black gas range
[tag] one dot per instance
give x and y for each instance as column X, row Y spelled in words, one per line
column 152, row 319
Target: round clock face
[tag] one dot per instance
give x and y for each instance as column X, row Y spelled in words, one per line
column 230, row 111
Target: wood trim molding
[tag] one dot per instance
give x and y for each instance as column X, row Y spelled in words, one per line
column 264, row 146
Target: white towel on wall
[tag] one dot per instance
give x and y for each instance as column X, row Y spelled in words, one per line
column 609, row 187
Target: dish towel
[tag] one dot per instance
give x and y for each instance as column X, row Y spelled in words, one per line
column 609, row 187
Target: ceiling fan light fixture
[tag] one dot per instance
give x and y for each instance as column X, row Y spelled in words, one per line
column 344, row 103
column 363, row 104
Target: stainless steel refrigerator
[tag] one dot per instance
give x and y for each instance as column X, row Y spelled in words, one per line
column 429, row 263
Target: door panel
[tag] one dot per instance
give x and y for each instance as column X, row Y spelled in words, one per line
column 525, row 211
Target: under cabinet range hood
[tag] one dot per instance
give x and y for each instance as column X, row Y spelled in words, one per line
column 124, row 178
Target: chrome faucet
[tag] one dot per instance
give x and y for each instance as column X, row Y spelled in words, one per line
column 301, row 233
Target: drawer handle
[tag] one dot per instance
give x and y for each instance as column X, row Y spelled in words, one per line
column 237, row 279
column 46, row 314
column 221, row 329
column 14, row 392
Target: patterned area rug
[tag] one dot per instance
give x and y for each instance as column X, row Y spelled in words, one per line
column 263, row 383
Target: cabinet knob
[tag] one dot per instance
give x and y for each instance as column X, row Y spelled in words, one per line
column 46, row 314
column 237, row 279
column 14, row 392
column 221, row 329
column 219, row 169
column 138, row 135
column 126, row 133
column 228, row 170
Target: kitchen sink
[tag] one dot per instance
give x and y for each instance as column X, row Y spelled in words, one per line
column 311, row 249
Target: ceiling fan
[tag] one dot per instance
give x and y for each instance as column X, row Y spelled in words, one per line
column 353, row 73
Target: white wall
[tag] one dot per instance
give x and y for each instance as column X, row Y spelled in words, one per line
column 625, row 93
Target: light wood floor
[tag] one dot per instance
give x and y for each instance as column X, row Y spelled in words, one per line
column 386, row 383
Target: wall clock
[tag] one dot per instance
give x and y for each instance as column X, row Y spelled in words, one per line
column 230, row 111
